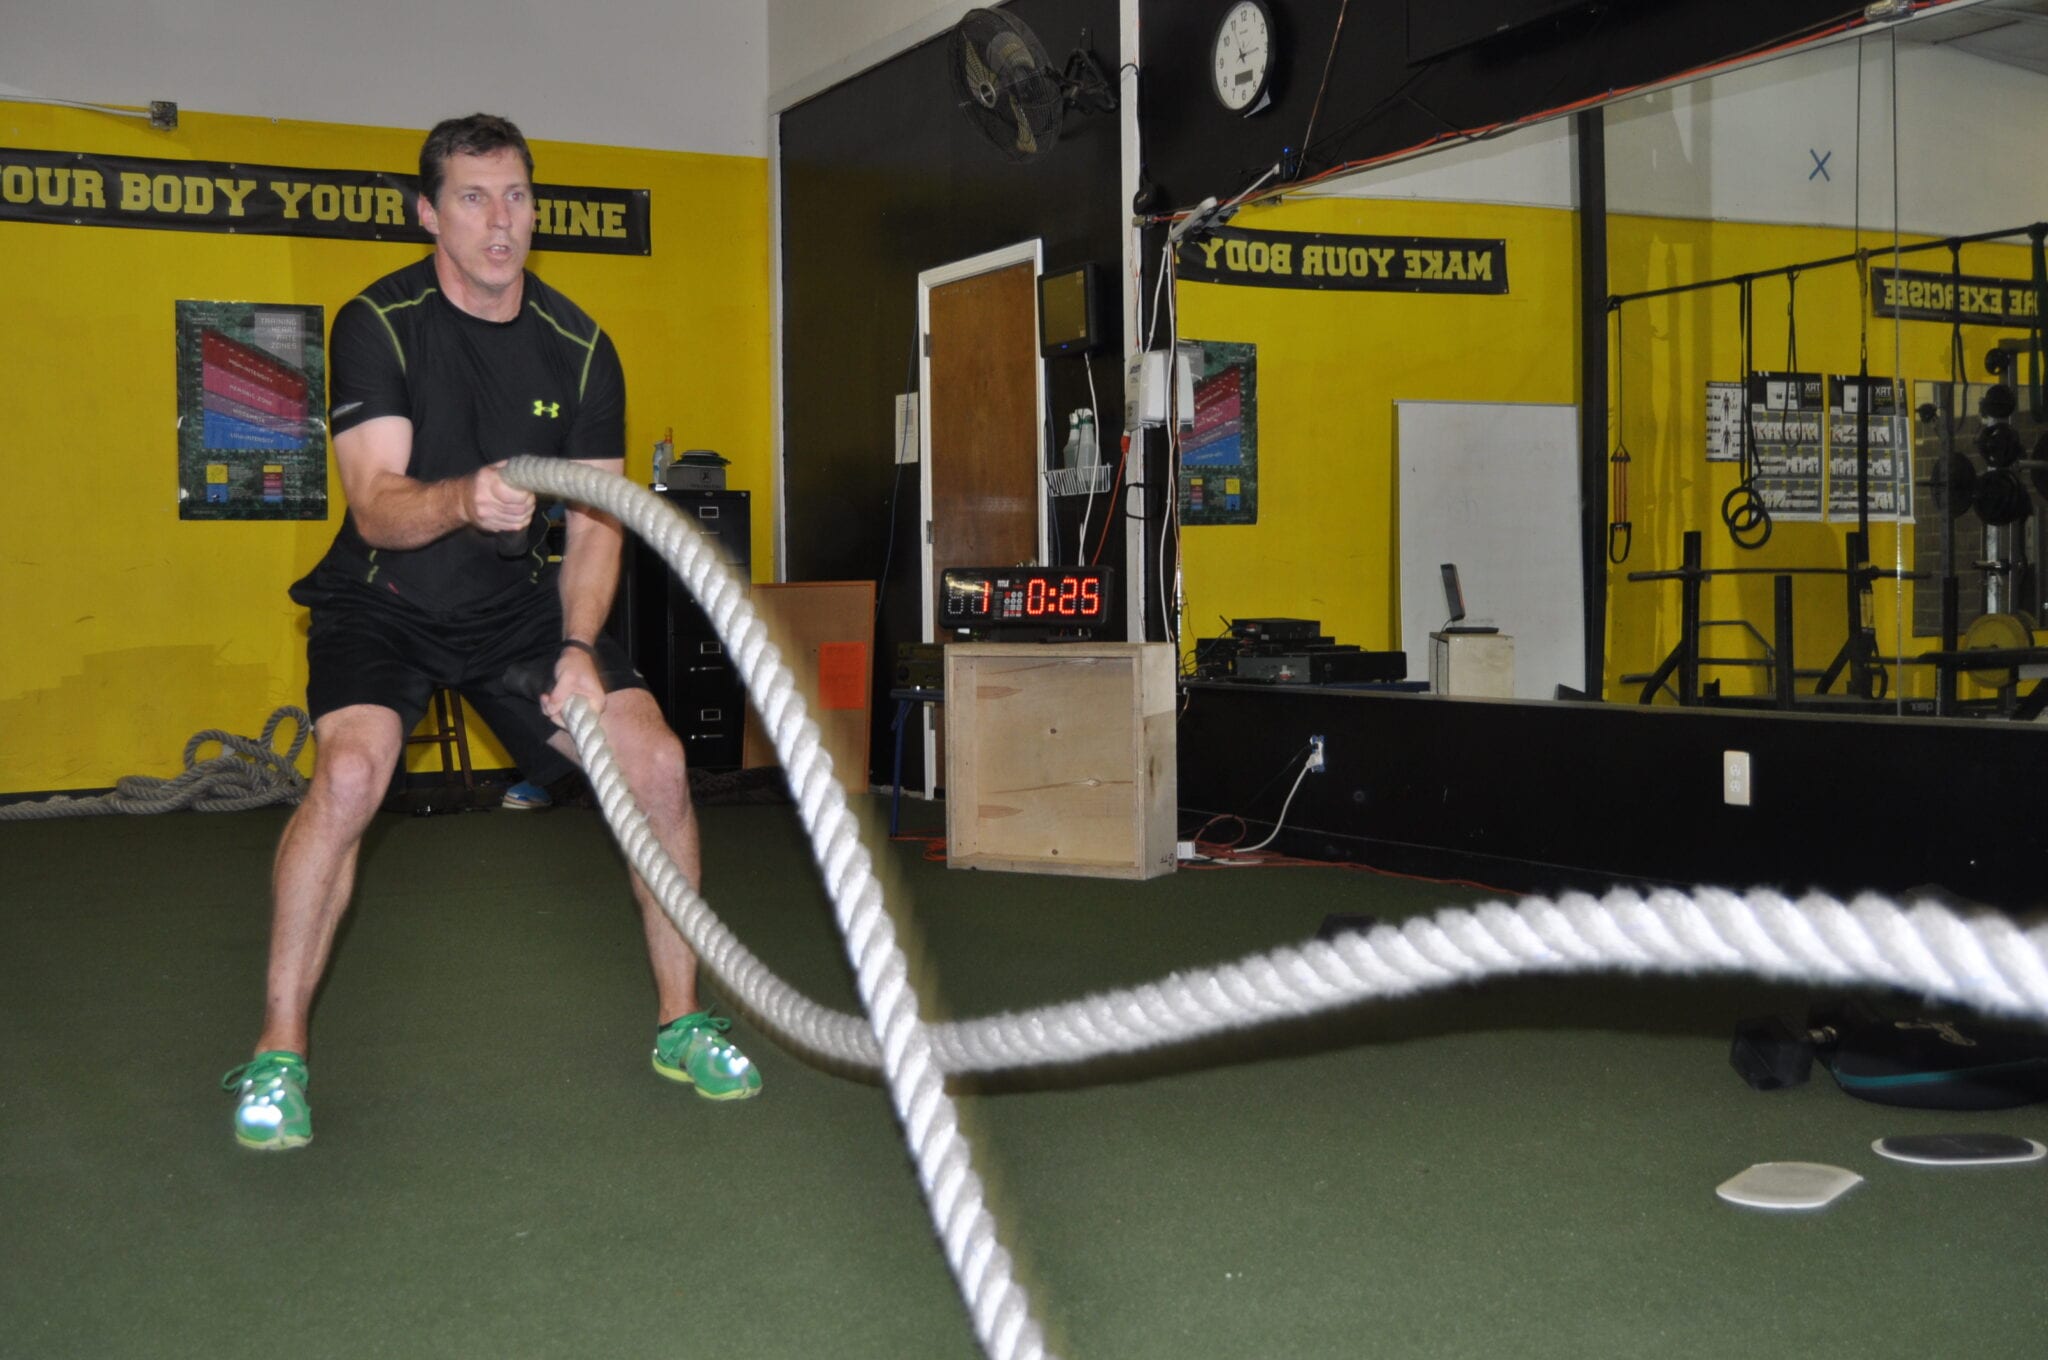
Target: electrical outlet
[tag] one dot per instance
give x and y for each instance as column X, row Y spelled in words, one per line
column 1736, row 787
column 1315, row 755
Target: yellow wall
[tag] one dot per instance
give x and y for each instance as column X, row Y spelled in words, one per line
column 1672, row 347
column 127, row 629
column 1330, row 368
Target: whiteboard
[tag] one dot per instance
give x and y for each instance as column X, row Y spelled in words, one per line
column 1494, row 487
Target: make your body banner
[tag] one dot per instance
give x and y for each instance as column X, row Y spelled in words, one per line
column 1371, row 264
column 86, row 190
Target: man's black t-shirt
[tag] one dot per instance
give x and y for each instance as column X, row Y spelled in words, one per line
column 547, row 383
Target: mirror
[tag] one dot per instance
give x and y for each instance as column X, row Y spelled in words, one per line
column 1824, row 274
column 1780, row 537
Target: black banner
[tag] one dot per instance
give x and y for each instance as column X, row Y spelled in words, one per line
column 1365, row 264
column 1972, row 299
column 84, row 190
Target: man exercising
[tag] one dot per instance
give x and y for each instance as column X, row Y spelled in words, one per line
column 441, row 371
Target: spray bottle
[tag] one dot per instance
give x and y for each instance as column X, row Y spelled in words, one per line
column 664, row 455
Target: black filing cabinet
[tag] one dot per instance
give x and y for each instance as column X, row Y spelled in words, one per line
column 672, row 642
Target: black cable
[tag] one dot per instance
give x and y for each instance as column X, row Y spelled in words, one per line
column 2037, row 336
column 1372, row 114
column 896, row 487
column 1620, row 531
column 1791, row 322
column 1309, row 133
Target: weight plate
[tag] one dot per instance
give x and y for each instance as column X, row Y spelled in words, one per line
column 2002, row 498
column 2001, row 445
column 1999, row 632
column 1957, row 492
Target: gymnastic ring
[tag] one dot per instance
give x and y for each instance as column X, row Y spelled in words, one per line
column 1748, row 521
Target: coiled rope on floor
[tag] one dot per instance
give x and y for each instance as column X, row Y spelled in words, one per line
column 248, row 773
column 1984, row 961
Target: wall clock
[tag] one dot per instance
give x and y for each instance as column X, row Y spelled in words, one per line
column 1242, row 58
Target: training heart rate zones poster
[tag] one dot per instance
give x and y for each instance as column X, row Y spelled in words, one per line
column 252, row 411
column 1219, row 457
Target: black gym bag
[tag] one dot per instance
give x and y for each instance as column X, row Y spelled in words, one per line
column 1928, row 1061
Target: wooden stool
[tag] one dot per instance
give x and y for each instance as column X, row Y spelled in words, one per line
column 447, row 732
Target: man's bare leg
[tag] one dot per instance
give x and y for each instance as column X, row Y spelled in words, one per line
column 651, row 759
column 316, row 861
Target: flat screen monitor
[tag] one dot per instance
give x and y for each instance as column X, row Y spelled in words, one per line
column 1069, row 315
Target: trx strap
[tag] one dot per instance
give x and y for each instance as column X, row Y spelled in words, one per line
column 1620, row 532
column 2037, row 325
column 1742, row 509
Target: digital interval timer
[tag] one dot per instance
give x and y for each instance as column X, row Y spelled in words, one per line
column 1027, row 597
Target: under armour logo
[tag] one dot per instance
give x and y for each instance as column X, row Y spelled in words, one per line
column 550, row 409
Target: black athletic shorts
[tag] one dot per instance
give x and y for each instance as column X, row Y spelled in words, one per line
column 361, row 650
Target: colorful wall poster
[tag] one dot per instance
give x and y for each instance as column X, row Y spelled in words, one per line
column 252, row 411
column 1219, row 458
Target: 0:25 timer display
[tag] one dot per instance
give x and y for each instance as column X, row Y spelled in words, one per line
column 984, row 597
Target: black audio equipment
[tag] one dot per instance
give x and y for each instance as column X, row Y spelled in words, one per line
column 1322, row 666
column 1276, row 630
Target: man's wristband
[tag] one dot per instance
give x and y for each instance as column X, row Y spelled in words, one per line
column 581, row 645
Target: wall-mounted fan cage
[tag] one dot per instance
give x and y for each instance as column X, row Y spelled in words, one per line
column 1009, row 88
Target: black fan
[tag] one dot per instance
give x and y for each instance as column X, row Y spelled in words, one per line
column 1011, row 91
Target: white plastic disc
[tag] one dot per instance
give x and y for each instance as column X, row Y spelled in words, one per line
column 1787, row 1185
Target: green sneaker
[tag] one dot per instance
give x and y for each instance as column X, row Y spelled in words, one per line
column 692, row 1050
column 273, row 1114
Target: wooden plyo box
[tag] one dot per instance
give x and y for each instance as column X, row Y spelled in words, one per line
column 1060, row 758
column 824, row 629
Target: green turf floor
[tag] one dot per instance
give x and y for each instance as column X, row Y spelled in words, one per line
column 1519, row 1169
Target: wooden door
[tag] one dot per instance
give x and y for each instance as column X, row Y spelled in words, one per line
column 982, row 404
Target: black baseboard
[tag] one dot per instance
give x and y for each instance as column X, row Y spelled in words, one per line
column 1535, row 796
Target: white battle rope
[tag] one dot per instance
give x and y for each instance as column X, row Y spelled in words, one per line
column 1983, row 960
column 998, row 1306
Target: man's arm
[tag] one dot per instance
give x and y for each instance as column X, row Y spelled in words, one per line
column 393, row 510
column 589, row 579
